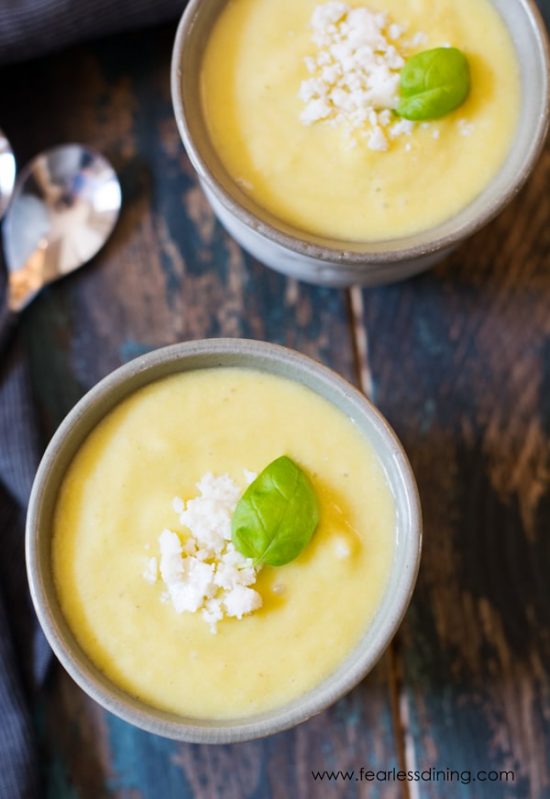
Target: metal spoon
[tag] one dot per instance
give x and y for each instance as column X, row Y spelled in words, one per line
column 65, row 204
column 7, row 173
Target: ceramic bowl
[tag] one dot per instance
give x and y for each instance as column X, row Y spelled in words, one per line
column 336, row 263
column 88, row 413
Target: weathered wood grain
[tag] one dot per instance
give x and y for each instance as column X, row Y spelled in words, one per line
column 168, row 274
column 461, row 360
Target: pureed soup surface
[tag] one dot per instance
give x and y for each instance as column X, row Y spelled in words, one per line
column 309, row 176
column 116, row 499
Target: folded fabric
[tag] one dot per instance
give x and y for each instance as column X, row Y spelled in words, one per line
column 30, row 28
column 24, row 654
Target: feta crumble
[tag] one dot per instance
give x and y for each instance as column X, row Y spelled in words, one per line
column 150, row 571
column 465, row 128
column 354, row 76
column 201, row 570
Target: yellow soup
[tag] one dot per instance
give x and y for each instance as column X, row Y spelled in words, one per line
column 116, row 499
column 315, row 177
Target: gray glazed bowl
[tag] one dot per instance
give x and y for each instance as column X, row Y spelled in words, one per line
column 88, row 413
column 337, row 263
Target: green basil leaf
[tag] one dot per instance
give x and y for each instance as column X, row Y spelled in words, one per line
column 277, row 515
column 434, row 83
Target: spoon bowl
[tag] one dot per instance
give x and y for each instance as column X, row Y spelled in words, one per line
column 7, row 173
column 64, row 207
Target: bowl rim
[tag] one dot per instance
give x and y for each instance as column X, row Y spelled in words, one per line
column 63, row 642
column 356, row 256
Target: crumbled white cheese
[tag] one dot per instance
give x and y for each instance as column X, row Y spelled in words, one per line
column 212, row 613
column 402, row 128
column 354, row 76
column 208, row 516
column 150, row 571
column 171, row 565
column 249, row 476
column 384, row 117
column 315, row 110
column 201, row 569
column 377, row 140
column 241, row 600
column 418, row 40
column 396, row 31
column 465, row 128
column 178, row 505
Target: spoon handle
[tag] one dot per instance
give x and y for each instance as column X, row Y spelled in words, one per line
column 8, row 321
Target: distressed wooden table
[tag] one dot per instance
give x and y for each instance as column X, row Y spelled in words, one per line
column 458, row 360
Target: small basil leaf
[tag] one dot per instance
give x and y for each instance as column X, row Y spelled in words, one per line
column 276, row 516
column 433, row 84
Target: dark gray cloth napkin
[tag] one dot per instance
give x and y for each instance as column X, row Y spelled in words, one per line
column 30, row 28
column 24, row 653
